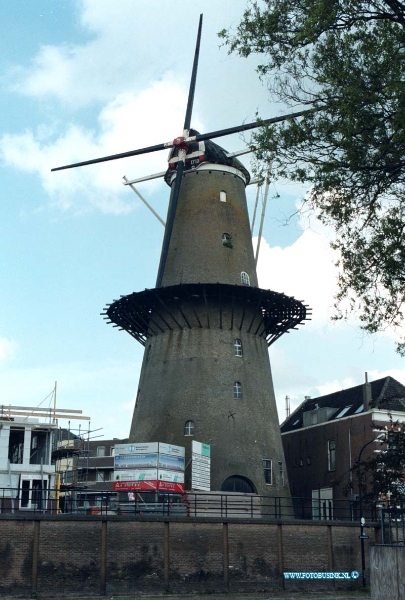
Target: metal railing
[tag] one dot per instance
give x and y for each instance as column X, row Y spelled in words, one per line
column 393, row 526
column 87, row 501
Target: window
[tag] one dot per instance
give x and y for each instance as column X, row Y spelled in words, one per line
column 100, row 476
column 238, row 347
column 244, row 278
column 237, row 390
column 281, row 472
column 268, row 470
column 39, row 453
column 342, row 412
column 222, row 196
column 331, row 455
column 189, row 428
column 100, row 451
column 322, row 504
column 308, row 460
column 149, row 350
column 227, row 240
column 16, row 446
column 33, row 493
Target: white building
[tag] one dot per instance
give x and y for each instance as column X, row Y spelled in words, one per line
column 26, row 472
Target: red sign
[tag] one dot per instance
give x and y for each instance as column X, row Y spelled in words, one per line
column 170, row 486
column 125, row 486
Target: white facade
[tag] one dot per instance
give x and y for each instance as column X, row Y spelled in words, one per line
column 26, row 471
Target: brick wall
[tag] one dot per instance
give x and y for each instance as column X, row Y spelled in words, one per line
column 69, row 557
column 120, row 555
column 16, row 539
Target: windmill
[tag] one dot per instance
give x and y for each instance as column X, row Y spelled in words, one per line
column 206, row 326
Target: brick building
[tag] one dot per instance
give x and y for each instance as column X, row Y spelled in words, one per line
column 322, row 441
column 86, row 468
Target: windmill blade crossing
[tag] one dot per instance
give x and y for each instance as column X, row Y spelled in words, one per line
column 196, row 138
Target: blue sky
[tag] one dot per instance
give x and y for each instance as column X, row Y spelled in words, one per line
column 86, row 78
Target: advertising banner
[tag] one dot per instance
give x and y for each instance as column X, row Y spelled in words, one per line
column 200, row 466
column 172, row 450
column 135, row 461
column 151, row 447
column 170, row 476
column 173, row 463
column 124, row 486
column 138, row 475
column 169, row 486
column 149, row 466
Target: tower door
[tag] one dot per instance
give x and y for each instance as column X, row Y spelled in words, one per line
column 238, row 484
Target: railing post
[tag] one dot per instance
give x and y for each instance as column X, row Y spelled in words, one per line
column 280, row 552
column 225, row 554
column 166, row 554
column 330, row 548
column 103, row 559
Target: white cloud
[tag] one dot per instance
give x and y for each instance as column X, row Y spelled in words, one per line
column 125, row 49
column 8, row 349
column 122, row 127
column 304, row 270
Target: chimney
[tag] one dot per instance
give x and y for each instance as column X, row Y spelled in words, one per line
column 367, row 398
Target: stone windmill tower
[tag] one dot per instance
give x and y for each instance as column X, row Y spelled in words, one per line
column 206, row 326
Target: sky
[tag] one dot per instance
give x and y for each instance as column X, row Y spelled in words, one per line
column 87, row 78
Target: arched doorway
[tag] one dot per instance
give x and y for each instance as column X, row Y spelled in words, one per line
column 236, row 483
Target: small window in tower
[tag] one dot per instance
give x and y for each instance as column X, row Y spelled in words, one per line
column 268, row 470
column 237, row 390
column 189, row 428
column 238, row 347
column 244, row 278
column 222, row 196
column 227, row 240
column 149, row 350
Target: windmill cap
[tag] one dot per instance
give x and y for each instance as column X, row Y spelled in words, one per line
column 211, row 152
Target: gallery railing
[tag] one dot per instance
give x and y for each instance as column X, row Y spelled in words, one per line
column 88, row 501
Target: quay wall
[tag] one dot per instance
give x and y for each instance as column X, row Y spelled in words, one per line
column 41, row 555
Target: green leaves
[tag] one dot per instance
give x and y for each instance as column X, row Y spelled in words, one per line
column 348, row 57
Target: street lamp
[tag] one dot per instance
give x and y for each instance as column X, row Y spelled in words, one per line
column 362, row 535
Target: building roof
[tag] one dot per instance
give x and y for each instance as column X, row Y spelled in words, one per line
column 386, row 394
